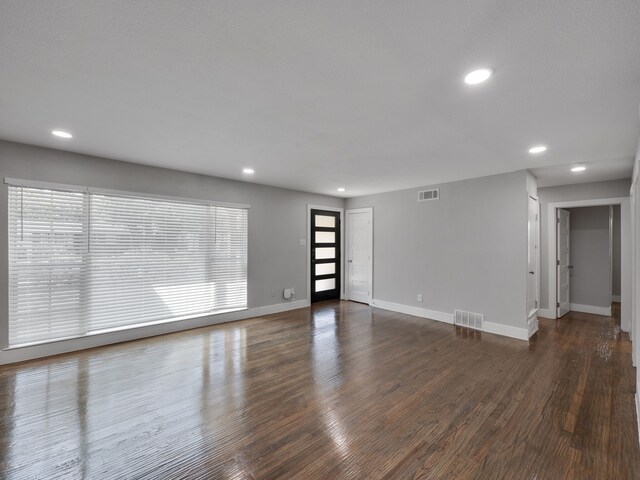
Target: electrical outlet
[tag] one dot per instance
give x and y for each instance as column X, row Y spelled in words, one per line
column 419, row 297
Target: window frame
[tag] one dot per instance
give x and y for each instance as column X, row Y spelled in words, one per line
column 14, row 182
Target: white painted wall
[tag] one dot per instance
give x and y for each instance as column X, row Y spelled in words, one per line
column 277, row 220
column 569, row 193
column 465, row 251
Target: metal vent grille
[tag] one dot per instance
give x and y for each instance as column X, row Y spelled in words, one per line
column 425, row 195
column 469, row 319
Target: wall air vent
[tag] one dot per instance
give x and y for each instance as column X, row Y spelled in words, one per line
column 469, row 319
column 425, row 195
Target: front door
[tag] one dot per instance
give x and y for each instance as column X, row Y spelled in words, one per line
column 563, row 261
column 325, row 255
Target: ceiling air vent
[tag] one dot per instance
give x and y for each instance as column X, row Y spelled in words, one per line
column 425, row 195
column 469, row 320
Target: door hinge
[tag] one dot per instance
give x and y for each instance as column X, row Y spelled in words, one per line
column 557, row 262
column 557, row 304
column 557, row 220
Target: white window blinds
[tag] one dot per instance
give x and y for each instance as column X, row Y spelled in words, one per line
column 82, row 262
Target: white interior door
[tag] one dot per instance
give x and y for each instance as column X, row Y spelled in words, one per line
column 359, row 254
column 532, row 258
column 563, row 261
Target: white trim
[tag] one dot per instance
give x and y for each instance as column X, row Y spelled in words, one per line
column 489, row 327
column 330, row 209
column 17, row 182
column 415, row 311
column 529, row 314
column 576, row 307
column 71, row 345
column 611, row 251
column 638, row 414
column 547, row 313
column 616, row 298
column 368, row 210
column 626, row 294
column 506, row 330
column 625, row 218
column 532, row 325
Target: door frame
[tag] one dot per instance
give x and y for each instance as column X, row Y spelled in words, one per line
column 308, row 237
column 558, row 266
column 538, row 255
column 368, row 210
column 625, row 251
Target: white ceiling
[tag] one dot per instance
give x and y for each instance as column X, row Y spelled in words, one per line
column 315, row 95
column 616, row 169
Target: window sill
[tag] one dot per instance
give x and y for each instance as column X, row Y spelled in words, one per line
column 123, row 328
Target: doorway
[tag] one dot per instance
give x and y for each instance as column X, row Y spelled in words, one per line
column 588, row 259
column 325, row 249
column 359, row 255
column 563, row 262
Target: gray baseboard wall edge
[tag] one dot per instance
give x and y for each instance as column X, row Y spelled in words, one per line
column 489, row 327
column 547, row 313
column 576, row 307
column 415, row 311
column 12, row 355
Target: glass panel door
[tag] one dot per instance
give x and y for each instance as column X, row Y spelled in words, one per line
column 325, row 255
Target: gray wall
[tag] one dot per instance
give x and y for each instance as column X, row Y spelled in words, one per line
column 277, row 217
column 566, row 193
column 465, row 251
column 590, row 256
column 616, row 252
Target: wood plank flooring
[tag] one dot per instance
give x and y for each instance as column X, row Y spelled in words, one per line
column 339, row 390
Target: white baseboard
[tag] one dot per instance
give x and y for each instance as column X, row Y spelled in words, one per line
column 277, row 308
column 616, row 298
column 101, row 339
column 547, row 313
column 532, row 324
column 638, row 414
column 415, row 311
column 506, row 330
column 489, row 327
column 576, row 307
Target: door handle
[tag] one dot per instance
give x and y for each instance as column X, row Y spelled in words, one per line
column 350, row 261
column 532, row 273
column 569, row 266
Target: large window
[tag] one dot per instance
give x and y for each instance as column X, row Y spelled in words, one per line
column 84, row 261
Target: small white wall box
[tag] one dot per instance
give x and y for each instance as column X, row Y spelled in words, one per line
column 287, row 293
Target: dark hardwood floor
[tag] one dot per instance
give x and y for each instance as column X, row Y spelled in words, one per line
column 336, row 391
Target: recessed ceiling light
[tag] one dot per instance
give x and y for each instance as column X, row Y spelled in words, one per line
column 478, row 76
column 248, row 171
column 538, row 149
column 578, row 168
column 61, row 134
column 341, row 189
